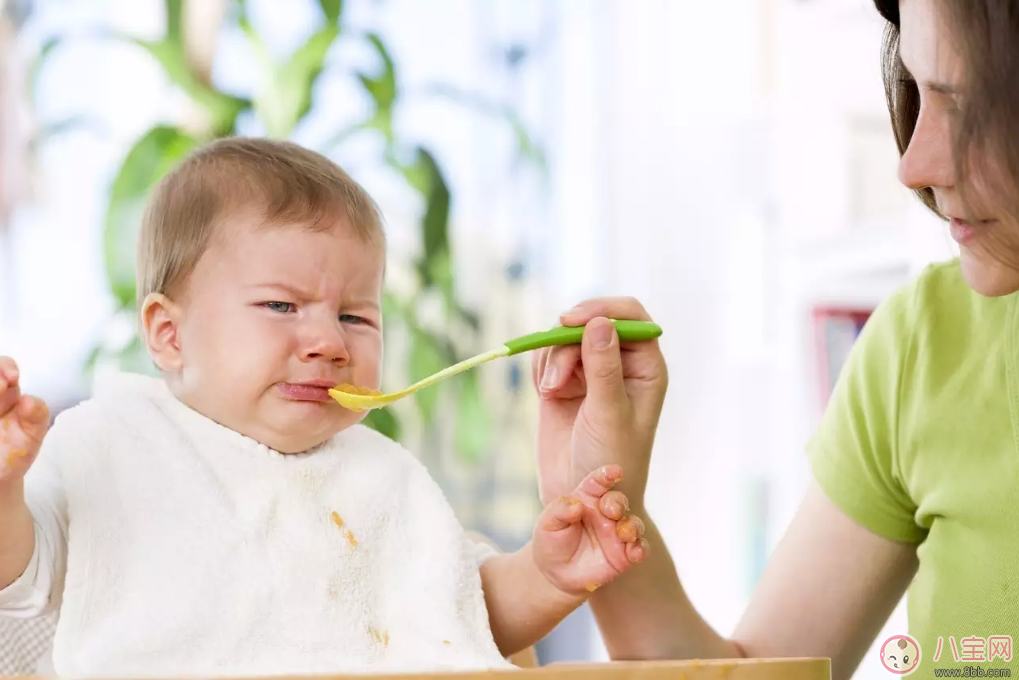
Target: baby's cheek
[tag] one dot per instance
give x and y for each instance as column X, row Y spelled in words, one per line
column 368, row 362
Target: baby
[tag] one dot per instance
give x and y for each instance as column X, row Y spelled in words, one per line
column 230, row 518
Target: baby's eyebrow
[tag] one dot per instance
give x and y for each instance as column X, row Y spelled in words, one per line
column 372, row 304
column 285, row 287
column 296, row 292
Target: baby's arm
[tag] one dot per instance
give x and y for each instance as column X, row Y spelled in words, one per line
column 581, row 542
column 23, row 422
column 28, row 558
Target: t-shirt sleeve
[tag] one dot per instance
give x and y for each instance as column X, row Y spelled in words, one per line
column 854, row 452
column 40, row 587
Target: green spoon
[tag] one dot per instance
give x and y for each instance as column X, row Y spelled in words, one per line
column 362, row 399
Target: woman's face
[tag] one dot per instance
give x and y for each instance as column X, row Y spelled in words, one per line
column 930, row 56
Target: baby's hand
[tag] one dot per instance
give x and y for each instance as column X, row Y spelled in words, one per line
column 23, row 423
column 585, row 540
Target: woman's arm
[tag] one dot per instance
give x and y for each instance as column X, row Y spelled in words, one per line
column 828, row 589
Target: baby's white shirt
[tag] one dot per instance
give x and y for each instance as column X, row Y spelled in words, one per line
column 174, row 546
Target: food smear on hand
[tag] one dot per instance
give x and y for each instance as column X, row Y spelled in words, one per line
column 14, row 455
column 337, row 520
column 626, row 530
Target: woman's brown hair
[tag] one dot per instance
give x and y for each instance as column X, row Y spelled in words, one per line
column 986, row 34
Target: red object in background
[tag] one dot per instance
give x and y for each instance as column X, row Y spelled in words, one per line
column 835, row 332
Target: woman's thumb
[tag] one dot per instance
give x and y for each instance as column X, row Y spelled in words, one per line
column 603, row 365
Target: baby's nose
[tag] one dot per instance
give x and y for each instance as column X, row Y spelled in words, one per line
column 329, row 346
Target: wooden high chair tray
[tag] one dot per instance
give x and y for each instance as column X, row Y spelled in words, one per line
column 715, row 669
column 729, row 669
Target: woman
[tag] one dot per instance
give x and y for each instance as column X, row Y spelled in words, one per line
column 916, row 461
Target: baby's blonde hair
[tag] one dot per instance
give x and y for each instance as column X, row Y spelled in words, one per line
column 286, row 183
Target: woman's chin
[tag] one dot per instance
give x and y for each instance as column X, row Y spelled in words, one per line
column 988, row 278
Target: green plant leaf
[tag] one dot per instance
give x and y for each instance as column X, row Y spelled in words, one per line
column 383, row 122
column 435, row 223
column 416, row 174
column 151, row 157
column 268, row 108
column 45, row 52
column 385, row 421
column 473, row 430
column 384, row 85
column 174, row 19
column 221, row 108
column 526, row 146
column 298, row 75
column 284, row 94
column 440, row 274
column 472, row 318
column 332, row 9
column 381, row 88
column 426, row 358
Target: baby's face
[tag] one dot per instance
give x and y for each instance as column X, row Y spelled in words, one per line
column 272, row 317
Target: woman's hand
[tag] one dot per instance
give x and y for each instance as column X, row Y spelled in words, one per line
column 600, row 402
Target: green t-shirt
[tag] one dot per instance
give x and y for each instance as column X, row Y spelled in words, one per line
column 920, row 443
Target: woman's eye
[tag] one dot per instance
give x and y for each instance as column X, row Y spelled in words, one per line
column 281, row 307
column 350, row 318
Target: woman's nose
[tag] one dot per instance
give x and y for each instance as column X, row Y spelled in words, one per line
column 928, row 159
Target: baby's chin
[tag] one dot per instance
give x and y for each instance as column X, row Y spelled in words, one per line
column 294, row 444
column 303, row 434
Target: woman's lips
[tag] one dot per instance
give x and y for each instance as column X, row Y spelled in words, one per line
column 965, row 232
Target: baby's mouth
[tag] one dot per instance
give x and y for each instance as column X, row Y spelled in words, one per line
column 315, row 391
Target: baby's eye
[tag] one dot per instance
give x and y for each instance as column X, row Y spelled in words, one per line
column 350, row 318
column 905, row 659
column 281, row 307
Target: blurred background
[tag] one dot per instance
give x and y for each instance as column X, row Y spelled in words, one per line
column 730, row 164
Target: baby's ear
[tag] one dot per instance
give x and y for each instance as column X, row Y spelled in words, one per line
column 160, row 317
